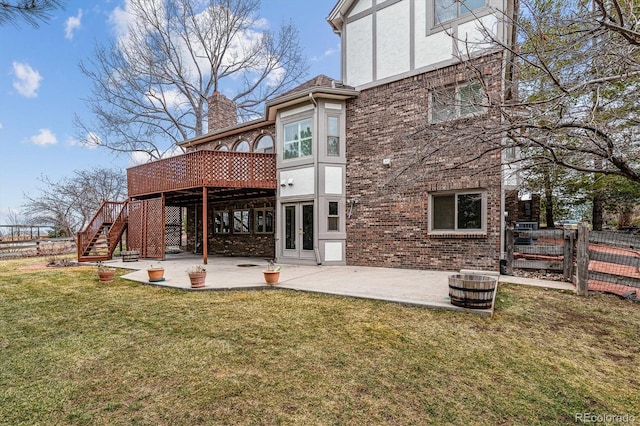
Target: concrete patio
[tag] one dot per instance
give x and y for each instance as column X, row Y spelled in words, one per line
column 424, row 288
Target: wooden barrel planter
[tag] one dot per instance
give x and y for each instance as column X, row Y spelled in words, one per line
column 130, row 256
column 472, row 291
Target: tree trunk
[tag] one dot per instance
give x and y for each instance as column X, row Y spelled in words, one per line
column 548, row 200
column 597, row 212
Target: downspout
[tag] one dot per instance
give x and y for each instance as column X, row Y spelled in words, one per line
column 316, row 203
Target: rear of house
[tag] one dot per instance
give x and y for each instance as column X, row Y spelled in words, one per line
column 366, row 170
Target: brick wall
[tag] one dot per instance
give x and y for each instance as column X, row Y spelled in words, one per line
column 388, row 225
column 252, row 244
column 222, row 112
column 518, row 211
column 251, row 136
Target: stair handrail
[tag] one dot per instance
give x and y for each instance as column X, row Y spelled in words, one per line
column 117, row 227
column 105, row 214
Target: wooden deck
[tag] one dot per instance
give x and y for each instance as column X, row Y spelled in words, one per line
column 203, row 169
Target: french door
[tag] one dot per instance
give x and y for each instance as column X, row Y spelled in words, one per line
column 298, row 220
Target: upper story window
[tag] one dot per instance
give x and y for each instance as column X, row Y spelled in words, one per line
column 222, row 148
column 297, row 139
column 456, row 102
column 333, row 136
column 458, row 212
column 447, row 10
column 242, row 147
column 265, row 144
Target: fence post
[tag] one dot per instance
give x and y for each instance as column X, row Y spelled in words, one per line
column 510, row 239
column 582, row 273
column 567, row 266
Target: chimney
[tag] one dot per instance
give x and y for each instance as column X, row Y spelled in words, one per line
column 222, row 112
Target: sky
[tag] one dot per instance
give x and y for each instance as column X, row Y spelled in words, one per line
column 42, row 88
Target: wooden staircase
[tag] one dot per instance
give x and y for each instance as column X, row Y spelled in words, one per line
column 103, row 233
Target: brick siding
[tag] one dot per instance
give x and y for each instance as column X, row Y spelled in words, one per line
column 252, row 244
column 388, row 226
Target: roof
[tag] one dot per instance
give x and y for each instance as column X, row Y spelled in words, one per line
column 319, row 86
column 337, row 14
column 317, row 81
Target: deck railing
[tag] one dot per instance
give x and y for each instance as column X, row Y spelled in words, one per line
column 203, row 168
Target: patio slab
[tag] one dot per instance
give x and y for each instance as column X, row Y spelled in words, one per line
column 428, row 289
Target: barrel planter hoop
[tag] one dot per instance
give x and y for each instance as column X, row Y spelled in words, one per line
column 130, row 256
column 472, row 291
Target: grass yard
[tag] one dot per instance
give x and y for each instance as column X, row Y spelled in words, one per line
column 75, row 351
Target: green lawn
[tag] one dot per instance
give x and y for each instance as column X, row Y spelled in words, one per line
column 75, row 351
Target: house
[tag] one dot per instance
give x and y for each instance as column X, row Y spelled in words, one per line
column 365, row 170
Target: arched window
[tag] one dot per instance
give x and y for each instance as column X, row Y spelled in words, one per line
column 222, row 148
column 265, row 144
column 242, row 147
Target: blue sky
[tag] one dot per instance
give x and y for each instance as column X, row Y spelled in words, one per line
column 42, row 88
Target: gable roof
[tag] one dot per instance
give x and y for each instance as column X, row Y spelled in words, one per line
column 338, row 13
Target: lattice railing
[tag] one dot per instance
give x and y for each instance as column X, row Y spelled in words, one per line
column 203, row 168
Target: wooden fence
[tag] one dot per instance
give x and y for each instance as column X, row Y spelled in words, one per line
column 608, row 261
column 549, row 249
column 599, row 261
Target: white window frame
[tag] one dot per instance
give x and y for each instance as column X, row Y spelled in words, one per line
column 285, row 142
column 461, row 12
column 473, row 231
column 458, row 105
column 336, row 136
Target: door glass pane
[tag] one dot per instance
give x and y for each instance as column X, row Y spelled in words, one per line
column 307, row 227
column 470, row 211
column 290, row 227
column 444, row 211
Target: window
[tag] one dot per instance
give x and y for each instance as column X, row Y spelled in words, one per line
column 461, row 212
column 241, row 222
column 242, row 147
column 222, row 148
column 456, row 102
column 263, row 221
column 333, row 136
column 265, row 144
column 446, row 10
column 297, row 139
column 333, row 218
column 221, row 222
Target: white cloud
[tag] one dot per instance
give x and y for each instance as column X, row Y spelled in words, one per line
column 91, row 141
column 139, row 157
column 44, row 137
column 27, row 80
column 72, row 24
column 329, row 52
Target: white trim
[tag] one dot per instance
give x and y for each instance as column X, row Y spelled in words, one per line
column 296, row 111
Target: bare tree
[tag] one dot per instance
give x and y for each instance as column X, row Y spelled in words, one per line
column 71, row 202
column 33, row 12
column 151, row 84
column 571, row 91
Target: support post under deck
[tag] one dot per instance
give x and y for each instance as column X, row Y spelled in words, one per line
column 205, row 253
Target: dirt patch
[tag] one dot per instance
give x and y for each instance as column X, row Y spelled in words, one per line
column 46, row 265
